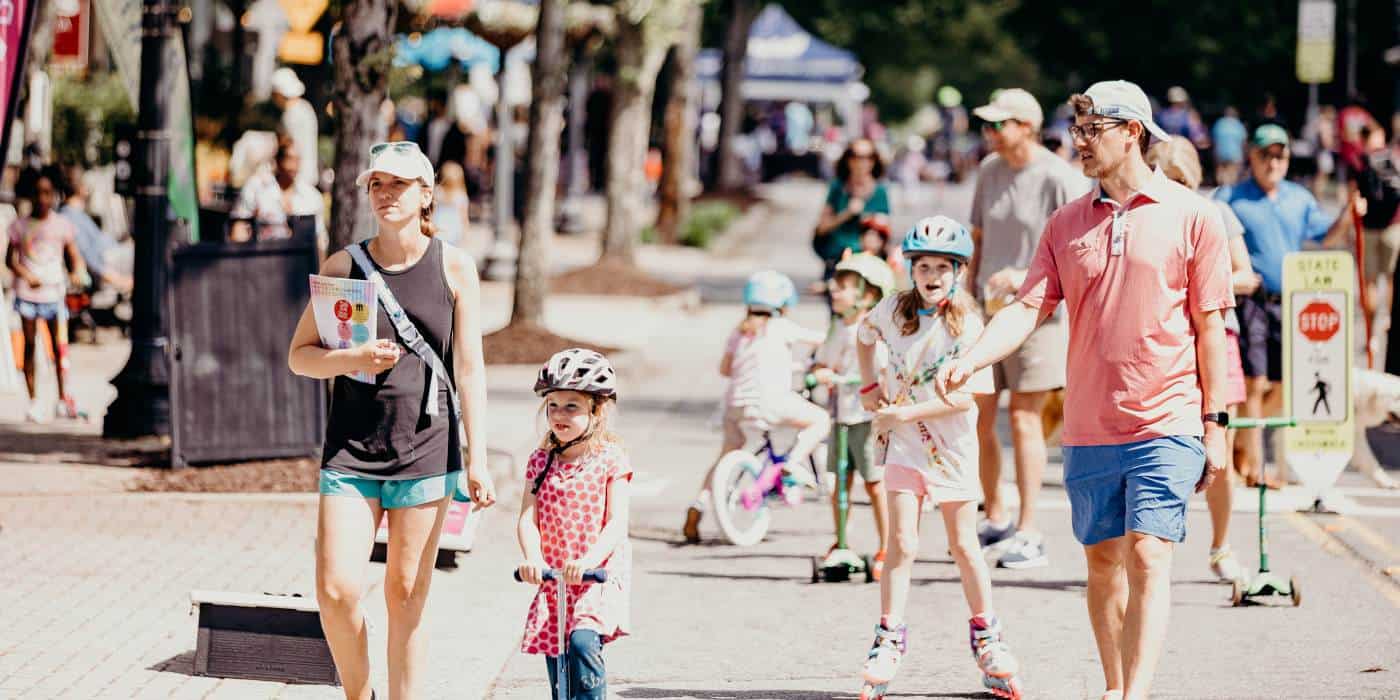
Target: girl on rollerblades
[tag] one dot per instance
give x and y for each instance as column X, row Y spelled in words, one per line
column 928, row 447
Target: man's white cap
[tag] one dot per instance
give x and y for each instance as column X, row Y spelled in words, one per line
column 1120, row 99
column 1013, row 103
column 286, row 83
column 401, row 159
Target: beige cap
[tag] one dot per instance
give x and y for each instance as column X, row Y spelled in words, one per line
column 401, row 159
column 1013, row 103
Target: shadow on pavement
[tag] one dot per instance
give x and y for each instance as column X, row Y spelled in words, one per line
column 733, row 694
column 1076, row 585
column 182, row 664
column 49, row 444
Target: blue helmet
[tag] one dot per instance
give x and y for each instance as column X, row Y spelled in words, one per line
column 770, row 289
column 938, row 235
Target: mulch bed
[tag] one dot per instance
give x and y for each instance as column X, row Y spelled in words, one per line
column 275, row 476
column 611, row 278
column 529, row 344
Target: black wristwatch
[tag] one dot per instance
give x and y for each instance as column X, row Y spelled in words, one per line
column 1222, row 419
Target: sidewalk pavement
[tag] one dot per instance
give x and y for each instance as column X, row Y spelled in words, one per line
column 95, row 581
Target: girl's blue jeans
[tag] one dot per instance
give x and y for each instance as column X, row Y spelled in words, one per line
column 584, row 659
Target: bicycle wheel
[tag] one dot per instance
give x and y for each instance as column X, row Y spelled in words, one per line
column 736, row 472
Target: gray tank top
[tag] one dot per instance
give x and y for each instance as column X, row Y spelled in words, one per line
column 382, row 430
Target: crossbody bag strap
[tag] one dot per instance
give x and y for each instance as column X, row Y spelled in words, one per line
column 409, row 335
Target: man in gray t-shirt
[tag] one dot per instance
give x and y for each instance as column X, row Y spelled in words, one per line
column 1018, row 187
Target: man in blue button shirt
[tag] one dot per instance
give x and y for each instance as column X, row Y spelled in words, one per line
column 1279, row 218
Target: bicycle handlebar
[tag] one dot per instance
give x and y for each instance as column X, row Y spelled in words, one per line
column 589, row 576
column 849, row 380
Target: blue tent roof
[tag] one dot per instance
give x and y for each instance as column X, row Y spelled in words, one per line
column 780, row 49
column 436, row 49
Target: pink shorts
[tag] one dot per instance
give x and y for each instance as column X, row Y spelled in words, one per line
column 1234, row 370
column 899, row 478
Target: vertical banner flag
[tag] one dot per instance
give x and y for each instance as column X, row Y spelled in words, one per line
column 16, row 21
column 120, row 21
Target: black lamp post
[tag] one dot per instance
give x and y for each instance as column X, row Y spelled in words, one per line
column 142, row 406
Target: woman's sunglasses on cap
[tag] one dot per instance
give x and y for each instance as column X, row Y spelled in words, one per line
column 398, row 146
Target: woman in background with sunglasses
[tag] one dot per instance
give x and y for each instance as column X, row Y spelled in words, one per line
column 856, row 191
column 392, row 445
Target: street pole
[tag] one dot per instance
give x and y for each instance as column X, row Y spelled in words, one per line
column 576, row 161
column 1351, row 48
column 500, row 261
column 142, row 406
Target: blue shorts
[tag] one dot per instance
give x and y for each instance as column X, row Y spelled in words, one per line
column 30, row 311
column 391, row 493
column 1139, row 487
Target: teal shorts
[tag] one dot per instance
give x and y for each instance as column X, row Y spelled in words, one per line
column 860, row 451
column 391, row 493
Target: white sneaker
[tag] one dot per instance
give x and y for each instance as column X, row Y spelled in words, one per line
column 1024, row 550
column 35, row 414
column 801, row 475
column 1224, row 565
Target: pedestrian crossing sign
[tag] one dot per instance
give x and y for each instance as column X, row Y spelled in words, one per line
column 1319, row 291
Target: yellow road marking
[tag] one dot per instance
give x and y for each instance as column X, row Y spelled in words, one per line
column 1318, row 535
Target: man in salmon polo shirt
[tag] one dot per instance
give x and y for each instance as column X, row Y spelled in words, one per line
column 1142, row 266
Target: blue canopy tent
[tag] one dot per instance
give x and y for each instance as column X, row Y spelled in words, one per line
column 437, row 49
column 786, row 62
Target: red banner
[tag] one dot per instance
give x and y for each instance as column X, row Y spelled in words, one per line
column 70, row 35
column 16, row 19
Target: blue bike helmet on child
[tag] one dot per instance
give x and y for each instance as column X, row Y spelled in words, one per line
column 770, row 289
column 938, row 235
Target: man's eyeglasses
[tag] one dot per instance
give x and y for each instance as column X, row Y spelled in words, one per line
column 1093, row 130
column 398, row 146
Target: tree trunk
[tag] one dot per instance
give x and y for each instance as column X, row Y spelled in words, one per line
column 363, row 49
column 731, row 103
column 678, row 148
column 639, row 55
column 542, row 163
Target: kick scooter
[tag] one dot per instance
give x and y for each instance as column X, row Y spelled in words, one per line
column 1265, row 582
column 561, row 616
column 841, row 564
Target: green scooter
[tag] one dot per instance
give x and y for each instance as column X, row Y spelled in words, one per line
column 841, row 563
column 1265, row 583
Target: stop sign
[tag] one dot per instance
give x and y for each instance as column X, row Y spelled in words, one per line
column 1319, row 321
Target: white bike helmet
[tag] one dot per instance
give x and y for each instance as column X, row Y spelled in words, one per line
column 577, row 369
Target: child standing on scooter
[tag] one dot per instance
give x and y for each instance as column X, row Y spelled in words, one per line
column 573, row 517
column 928, row 446
column 860, row 282
column 758, row 361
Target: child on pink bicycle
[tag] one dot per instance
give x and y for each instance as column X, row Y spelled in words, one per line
column 758, row 361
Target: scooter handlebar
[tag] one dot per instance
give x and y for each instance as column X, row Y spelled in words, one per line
column 589, row 576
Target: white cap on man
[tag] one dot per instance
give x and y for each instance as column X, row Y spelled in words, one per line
column 1012, row 103
column 1120, row 99
column 399, row 158
column 286, row 83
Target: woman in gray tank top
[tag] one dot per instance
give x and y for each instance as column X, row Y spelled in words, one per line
column 392, row 446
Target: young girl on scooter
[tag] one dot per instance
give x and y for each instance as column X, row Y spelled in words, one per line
column 573, row 518
column 758, row 361
column 860, row 282
column 928, row 446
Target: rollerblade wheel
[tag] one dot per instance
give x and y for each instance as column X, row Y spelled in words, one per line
column 869, row 568
column 1237, row 592
column 1296, row 594
column 1011, row 691
column 873, row 692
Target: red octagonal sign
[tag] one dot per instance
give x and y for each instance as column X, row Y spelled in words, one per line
column 1319, row 321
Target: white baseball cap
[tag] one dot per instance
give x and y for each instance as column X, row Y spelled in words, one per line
column 1120, row 99
column 1013, row 103
column 286, row 83
column 398, row 158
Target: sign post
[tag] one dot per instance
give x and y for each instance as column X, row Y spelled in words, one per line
column 1319, row 292
column 1317, row 47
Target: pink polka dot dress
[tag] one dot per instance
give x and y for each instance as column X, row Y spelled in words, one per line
column 571, row 509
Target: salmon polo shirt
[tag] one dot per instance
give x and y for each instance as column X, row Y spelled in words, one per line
column 1129, row 275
